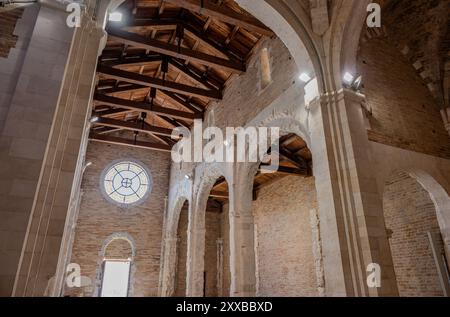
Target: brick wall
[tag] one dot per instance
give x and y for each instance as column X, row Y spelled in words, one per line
column 410, row 214
column 98, row 219
column 284, row 244
column 404, row 114
column 8, row 38
column 212, row 226
column 420, row 27
column 244, row 98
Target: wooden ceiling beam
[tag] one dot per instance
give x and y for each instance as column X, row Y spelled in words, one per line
column 203, row 80
column 145, row 107
column 133, row 126
column 139, row 79
column 219, row 194
column 132, row 61
column 175, row 51
column 185, row 103
column 224, row 14
column 121, row 141
column 127, row 88
column 110, row 112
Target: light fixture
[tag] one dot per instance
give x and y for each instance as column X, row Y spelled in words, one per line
column 94, row 119
column 115, row 17
column 348, row 78
column 304, row 77
column 227, row 143
column 187, row 176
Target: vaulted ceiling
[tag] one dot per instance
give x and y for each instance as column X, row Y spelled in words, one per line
column 164, row 63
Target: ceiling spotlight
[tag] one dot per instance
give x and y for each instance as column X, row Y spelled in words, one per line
column 304, row 77
column 187, row 176
column 348, row 78
column 115, row 17
column 227, row 143
column 94, row 119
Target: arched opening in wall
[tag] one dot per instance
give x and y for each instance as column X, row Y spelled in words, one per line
column 217, row 276
column 116, row 269
column 180, row 268
column 415, row 237
column 287, row 239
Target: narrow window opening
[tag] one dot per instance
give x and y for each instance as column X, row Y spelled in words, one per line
column 266, row 73
column 116, row 277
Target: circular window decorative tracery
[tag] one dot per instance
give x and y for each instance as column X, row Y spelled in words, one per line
column 126, row 183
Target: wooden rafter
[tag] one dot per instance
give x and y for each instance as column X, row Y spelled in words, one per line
column 174, row 51
column 133, row 126
column 121, row 141
column 223, row 14
column 145, row 107
column 139, row 79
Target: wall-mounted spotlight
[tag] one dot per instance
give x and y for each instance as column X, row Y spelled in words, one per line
column 188, row 176
column 115, row 17
column 348, row 78
column 352, row 82
column 94, row 119
column 304, row 77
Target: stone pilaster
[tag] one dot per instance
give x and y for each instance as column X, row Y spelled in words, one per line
column 170, row 263
column 350, row 207
column 45, row 248
column 242, row 250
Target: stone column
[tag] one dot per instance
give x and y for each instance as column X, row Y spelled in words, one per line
column 170, row 263
column 219, row 266
column 195, row 265
column 350, row 207
column 242, row 251
column 45, row 251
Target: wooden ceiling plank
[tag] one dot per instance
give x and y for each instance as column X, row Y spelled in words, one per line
column 145, row 107
column 139, row 79
column 175, row 51
column 224, row 14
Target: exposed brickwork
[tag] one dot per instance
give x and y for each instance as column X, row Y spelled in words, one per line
column 404, row 114
column 98, row 219
column 243, row 98
column 212, row 226
column 8, row 39
column 410, row 214
column 119, row 249
column 286, row 264
column 421, row 26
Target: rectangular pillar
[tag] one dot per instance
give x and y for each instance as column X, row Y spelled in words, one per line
column 350, row 207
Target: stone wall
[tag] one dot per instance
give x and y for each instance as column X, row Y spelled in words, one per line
column 284, row 246
column 404, row 114
column 98, row 219
column 410, row 214
column 180, row 276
